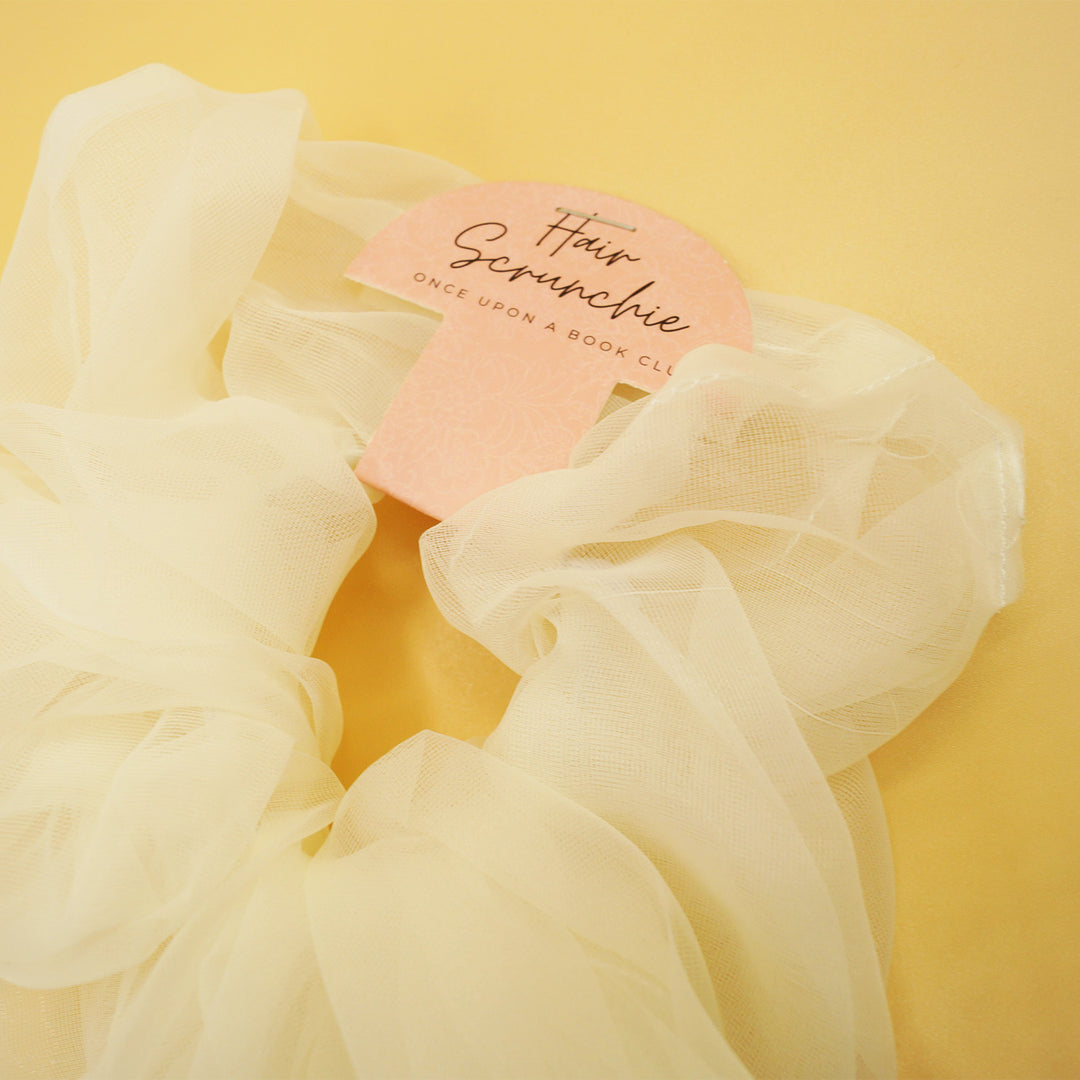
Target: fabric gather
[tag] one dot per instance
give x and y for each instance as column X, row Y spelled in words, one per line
column 668, row 860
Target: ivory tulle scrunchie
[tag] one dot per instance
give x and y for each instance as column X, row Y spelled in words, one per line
column 668, row 860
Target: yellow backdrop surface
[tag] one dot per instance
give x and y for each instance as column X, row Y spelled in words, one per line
column 919, row 162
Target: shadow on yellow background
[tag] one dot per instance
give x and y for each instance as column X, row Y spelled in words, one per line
column 917, row 162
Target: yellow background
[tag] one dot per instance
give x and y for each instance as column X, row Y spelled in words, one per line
column 915, row 161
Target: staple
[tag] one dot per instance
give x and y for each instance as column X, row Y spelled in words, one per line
column 595, row 217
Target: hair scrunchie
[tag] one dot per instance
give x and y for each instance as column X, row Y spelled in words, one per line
column 668, row 860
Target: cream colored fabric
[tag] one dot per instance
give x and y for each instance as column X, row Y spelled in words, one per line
column 669, row 860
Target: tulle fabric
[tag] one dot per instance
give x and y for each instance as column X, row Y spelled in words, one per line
column 668, row 860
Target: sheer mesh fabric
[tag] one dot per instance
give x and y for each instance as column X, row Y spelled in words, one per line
column 669, row 859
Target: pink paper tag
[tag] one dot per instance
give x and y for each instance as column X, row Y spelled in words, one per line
column 550, row 297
